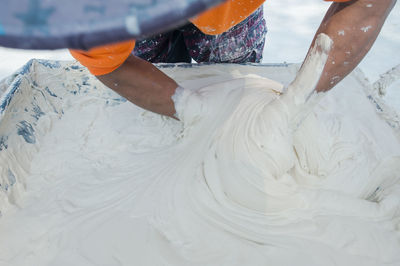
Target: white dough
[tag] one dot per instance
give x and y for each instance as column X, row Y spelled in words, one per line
column 112, row 184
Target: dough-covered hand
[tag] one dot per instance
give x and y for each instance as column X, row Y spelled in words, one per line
column 301, row 95
column 183, row 96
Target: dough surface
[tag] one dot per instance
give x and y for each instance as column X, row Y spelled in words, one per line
column 112, row 184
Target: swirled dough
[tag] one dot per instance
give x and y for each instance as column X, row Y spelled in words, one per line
column 234, row 185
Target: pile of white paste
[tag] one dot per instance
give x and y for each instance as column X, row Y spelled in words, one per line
column 112, row 184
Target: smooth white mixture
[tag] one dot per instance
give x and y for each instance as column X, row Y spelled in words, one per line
column 112, row 184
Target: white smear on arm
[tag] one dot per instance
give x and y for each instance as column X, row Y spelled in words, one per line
column 365, row 29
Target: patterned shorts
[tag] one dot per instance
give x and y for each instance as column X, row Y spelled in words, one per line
column 187, row 42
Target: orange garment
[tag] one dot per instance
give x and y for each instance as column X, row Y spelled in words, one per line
column 105, row 59
column 226, row 15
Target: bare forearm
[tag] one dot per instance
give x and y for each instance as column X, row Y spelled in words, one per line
column 143, row 84
column 353, row 26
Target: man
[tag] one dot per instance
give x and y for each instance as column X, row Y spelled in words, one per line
column 353, row 25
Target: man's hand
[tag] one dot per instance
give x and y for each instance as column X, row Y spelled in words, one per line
column 141, row 83
column 353, row 26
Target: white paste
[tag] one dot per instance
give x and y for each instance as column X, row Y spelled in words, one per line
column 232, row 185
column 365, row 29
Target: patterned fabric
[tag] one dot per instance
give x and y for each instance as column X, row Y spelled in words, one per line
column 242, row 43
